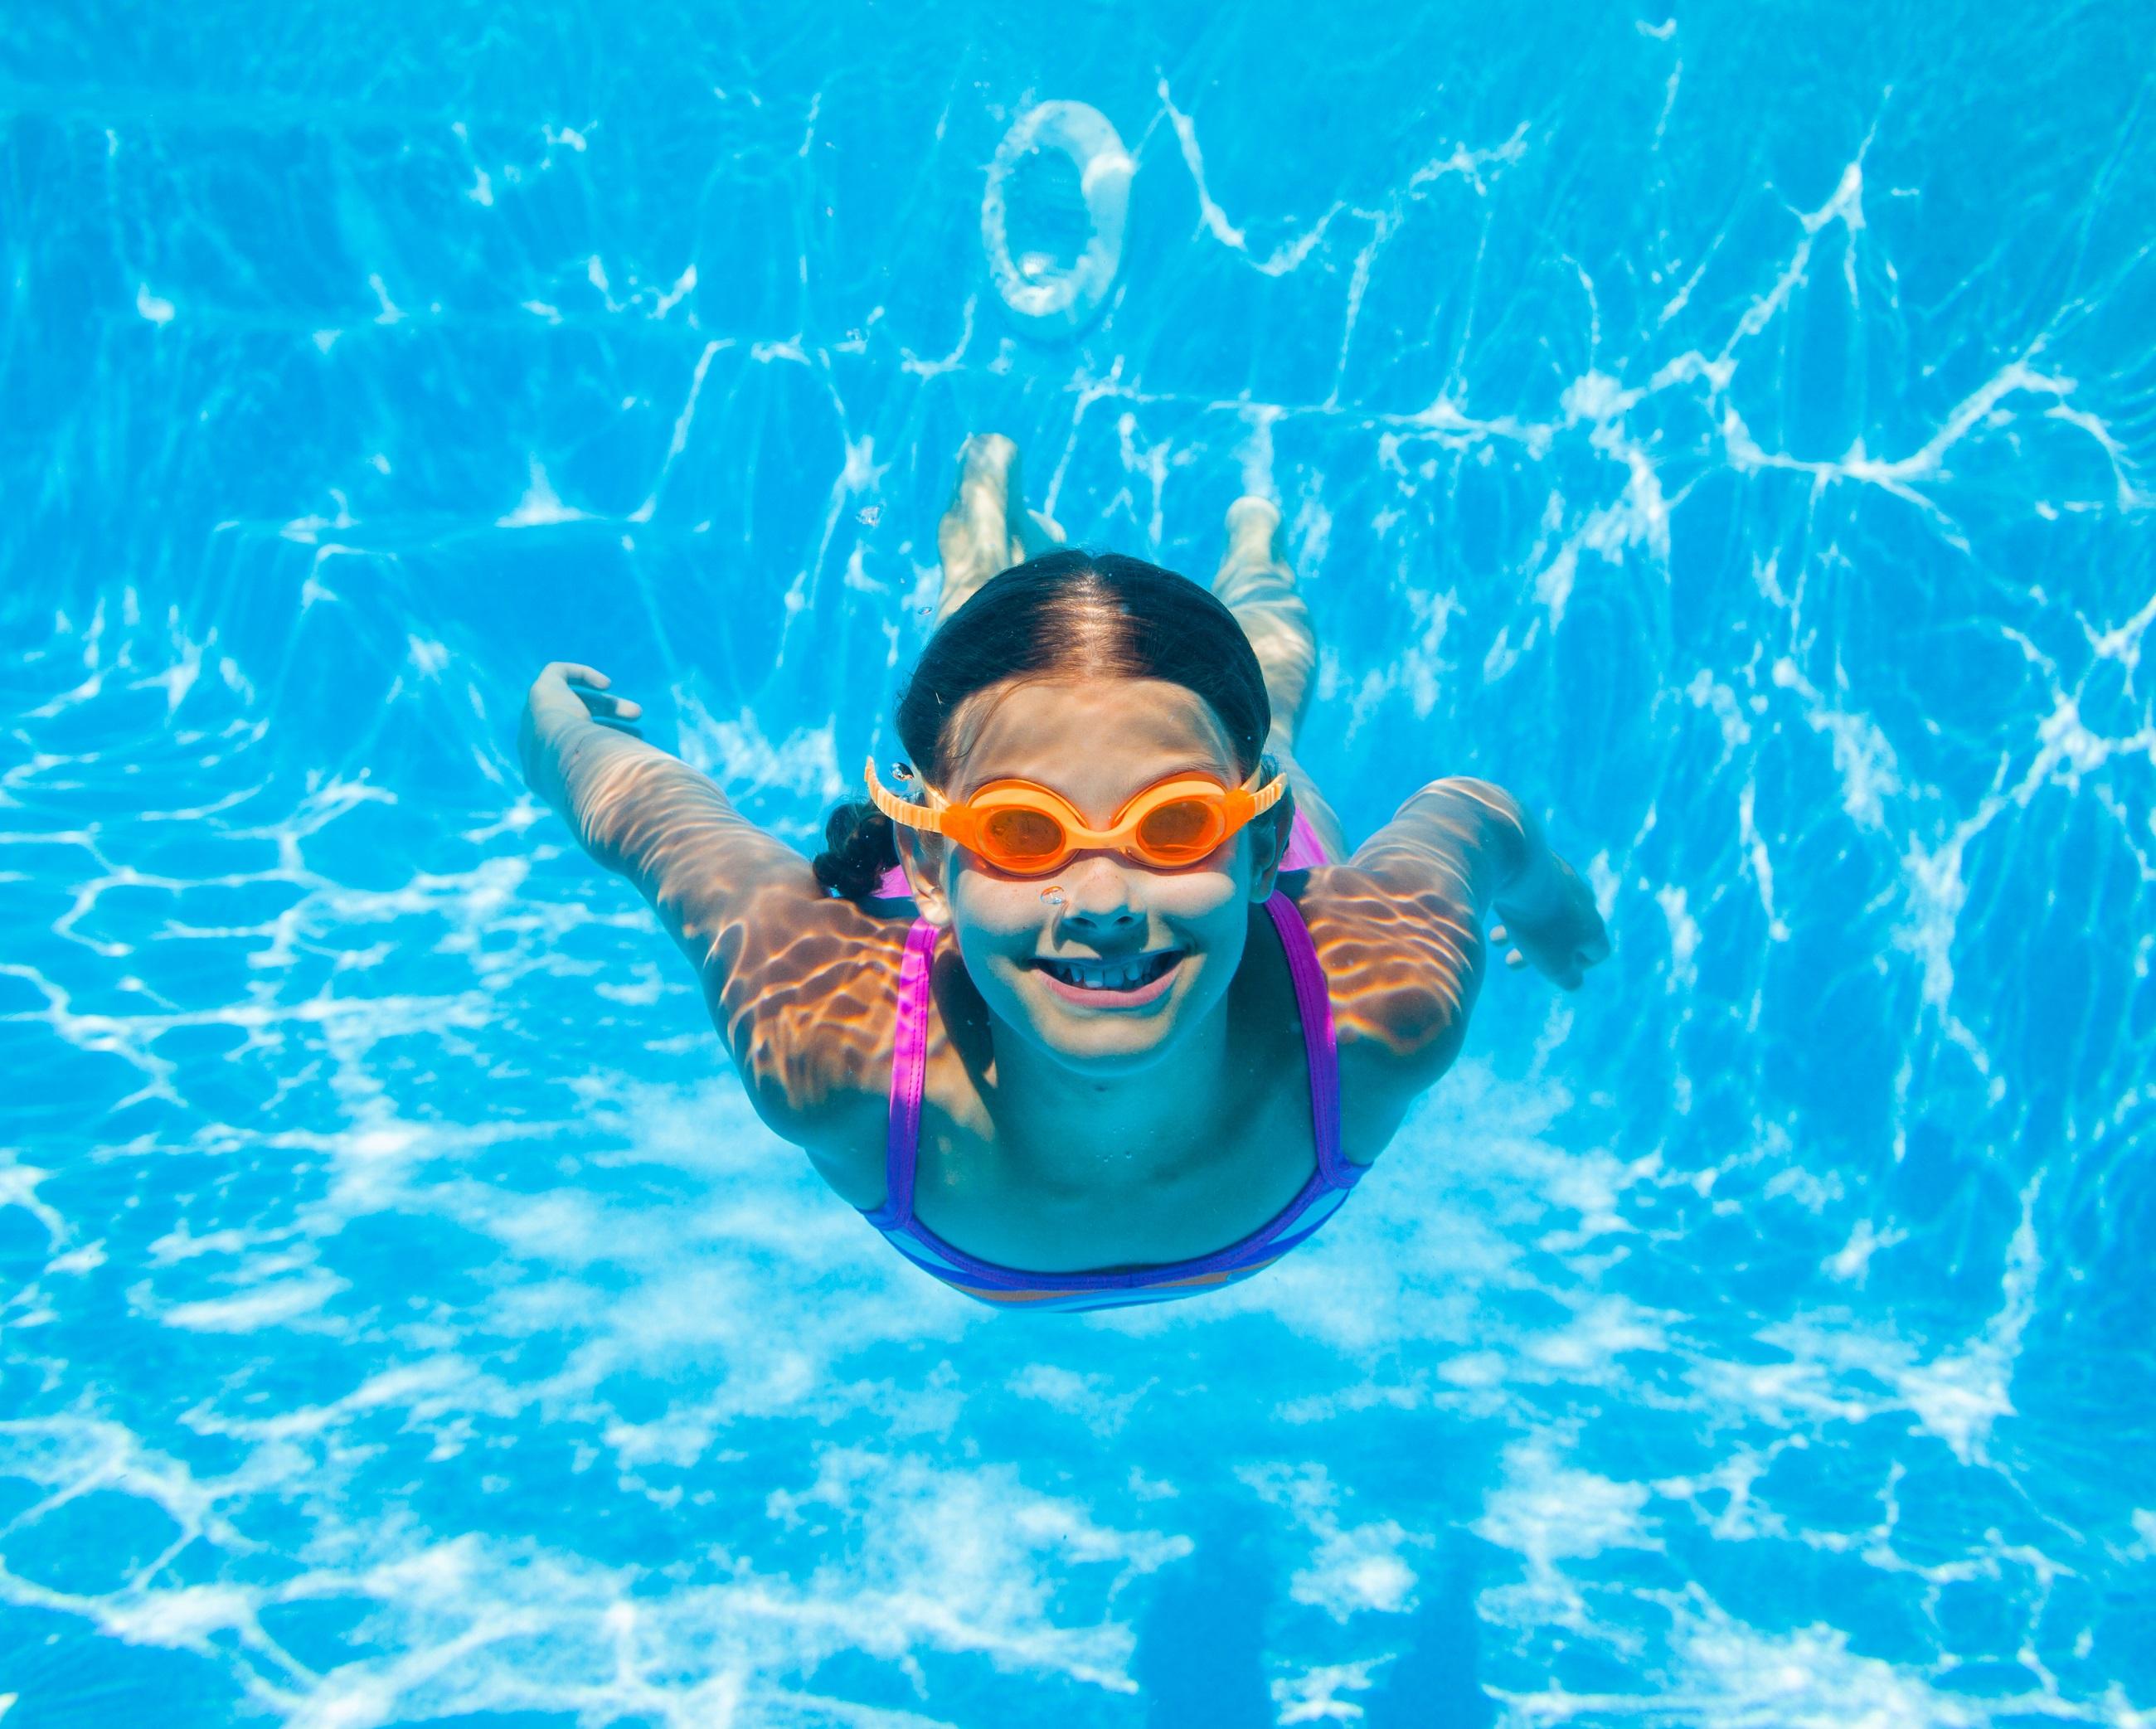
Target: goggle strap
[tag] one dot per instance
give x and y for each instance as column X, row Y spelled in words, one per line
column 902, row 811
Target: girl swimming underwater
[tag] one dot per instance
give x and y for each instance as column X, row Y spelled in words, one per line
column 1090, row 1005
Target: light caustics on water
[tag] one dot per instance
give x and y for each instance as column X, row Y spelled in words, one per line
column 1729, row 429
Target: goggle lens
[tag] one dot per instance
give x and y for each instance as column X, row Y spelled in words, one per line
column 1180, row 831
column 1014, row 835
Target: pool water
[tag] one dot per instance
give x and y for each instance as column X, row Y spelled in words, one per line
column 1730, row 428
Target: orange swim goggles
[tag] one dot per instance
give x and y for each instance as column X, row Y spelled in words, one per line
column 1026, row 830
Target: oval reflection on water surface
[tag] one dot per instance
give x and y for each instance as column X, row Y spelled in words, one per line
column 1052, row 217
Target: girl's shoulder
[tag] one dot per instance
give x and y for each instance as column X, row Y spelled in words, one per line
column 1402, row 967
column 810, row 1020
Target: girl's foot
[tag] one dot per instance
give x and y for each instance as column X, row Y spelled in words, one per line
column 1253, row 524
column 1257, row 585
column 986, row 529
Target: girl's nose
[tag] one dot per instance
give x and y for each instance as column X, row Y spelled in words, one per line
column 1096, row 893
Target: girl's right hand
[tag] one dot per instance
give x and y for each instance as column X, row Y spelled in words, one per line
column 1551, row 921
column 566, row 690
column 565, row 696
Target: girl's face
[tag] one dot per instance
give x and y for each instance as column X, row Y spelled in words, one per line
column 1105, row 963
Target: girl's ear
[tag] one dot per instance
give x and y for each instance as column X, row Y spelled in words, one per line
column 1269, row 838
column 923, row 858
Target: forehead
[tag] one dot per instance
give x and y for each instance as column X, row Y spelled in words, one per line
column 1096, row 741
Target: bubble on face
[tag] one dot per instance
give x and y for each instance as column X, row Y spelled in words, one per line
column 1052, row 896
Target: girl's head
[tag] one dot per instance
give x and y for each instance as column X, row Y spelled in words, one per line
column 1095, row 677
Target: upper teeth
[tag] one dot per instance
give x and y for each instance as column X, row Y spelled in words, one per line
column 1103, row 975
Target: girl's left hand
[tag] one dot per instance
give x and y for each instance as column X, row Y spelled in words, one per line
column 1552, row 921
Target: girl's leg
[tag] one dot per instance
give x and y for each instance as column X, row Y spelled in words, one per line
column 986, row 529
column 1258, row 587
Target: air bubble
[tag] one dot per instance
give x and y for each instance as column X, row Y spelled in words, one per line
column 1052, row 896
column 902, row 771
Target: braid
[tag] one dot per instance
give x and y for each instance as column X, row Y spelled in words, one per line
column 860, row 844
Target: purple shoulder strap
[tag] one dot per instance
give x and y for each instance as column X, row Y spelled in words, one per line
column 1313, row 1004
column 909, row 1065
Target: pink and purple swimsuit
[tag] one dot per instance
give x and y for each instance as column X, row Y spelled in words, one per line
column 1009, row 1287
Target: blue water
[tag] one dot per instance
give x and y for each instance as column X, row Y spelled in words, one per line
column 1732, row 429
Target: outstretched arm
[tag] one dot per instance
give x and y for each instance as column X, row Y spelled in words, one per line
column 773, row 952
column 646, row 814
column 1475, row 839
column 1399, row 933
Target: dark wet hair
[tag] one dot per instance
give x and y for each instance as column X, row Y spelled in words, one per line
column 1067, row 614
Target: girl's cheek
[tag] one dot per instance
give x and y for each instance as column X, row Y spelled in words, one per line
column 1200, row 895
column 995, row 916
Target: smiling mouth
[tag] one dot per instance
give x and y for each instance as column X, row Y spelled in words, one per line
column 1120, row 977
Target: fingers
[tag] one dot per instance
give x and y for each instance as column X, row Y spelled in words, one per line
column 589, row 685
column 1589, row 953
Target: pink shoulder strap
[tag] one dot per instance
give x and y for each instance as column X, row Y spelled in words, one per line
column 909, row 1065
column 1305, row 850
